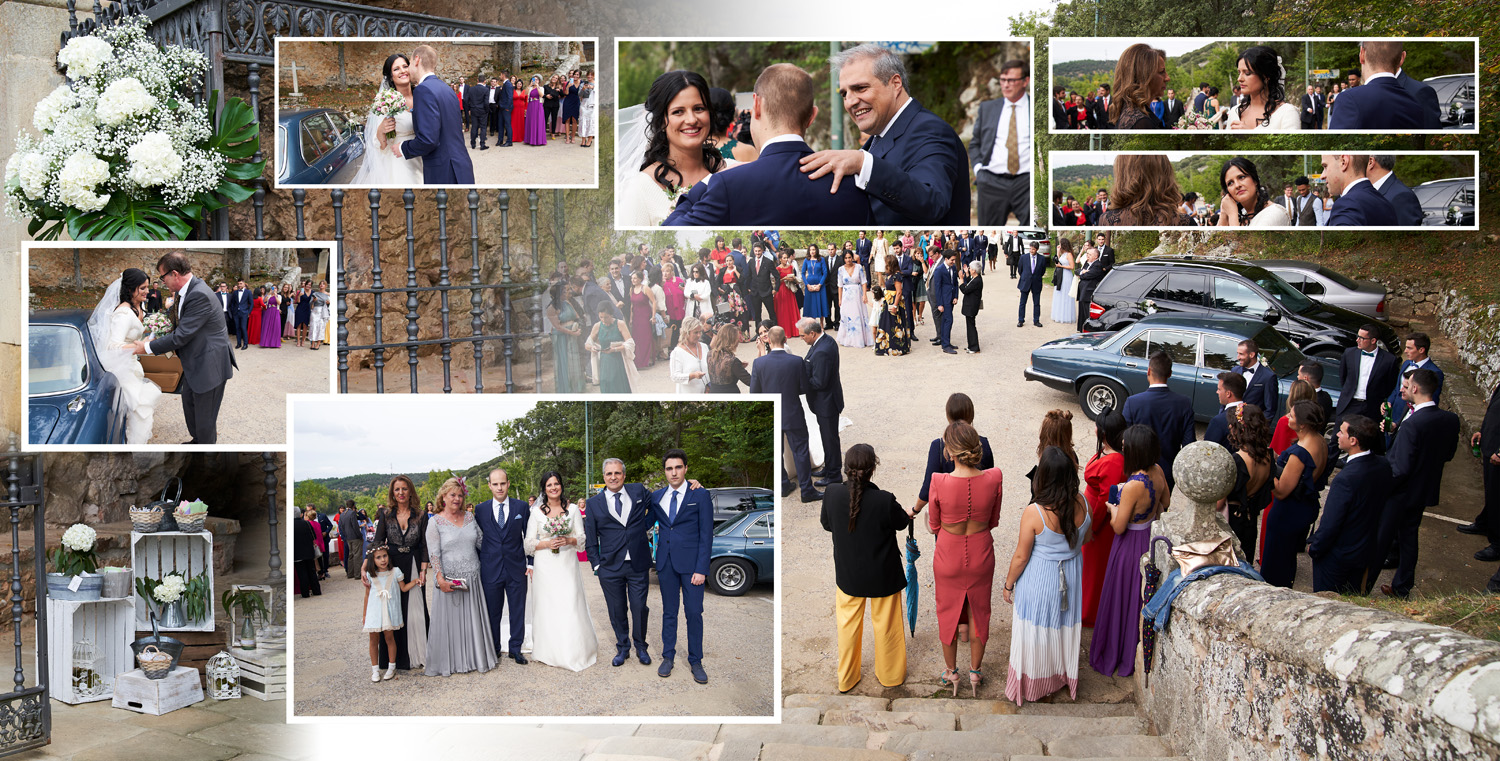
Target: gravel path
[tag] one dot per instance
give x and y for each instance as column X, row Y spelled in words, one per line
column 254, row 408
column 556, row 163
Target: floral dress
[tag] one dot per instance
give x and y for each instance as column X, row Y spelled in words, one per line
column 891, row 338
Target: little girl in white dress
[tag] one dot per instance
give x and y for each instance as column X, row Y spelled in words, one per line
column 383, row 607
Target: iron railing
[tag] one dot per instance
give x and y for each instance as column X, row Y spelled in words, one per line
column 26, row 712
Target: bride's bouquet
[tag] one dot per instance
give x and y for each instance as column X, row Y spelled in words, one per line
column 1193, row 121
column 124, row 152
column 156, row 325
column 388, row 103
column 556, row 526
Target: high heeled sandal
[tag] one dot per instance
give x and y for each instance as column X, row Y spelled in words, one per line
column 945, row 681
column 975, row 678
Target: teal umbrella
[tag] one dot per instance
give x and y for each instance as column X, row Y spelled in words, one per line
column 912, row 553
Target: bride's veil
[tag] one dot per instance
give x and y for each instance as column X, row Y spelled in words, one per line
column 375, row 167
column 116, row 361
column 631, row 149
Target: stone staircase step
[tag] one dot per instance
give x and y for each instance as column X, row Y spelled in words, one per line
column 801, row 715
column 1098, row 758
column 830, row 702
column 887, row 721
column 788, row 752
column 681, row 750
column 1081, row 710
column 1050, row 729
column 1109, row 746
column 947, row 743
column 932, row 755
column 742, row 742
column 957, row 706
column 699, row 732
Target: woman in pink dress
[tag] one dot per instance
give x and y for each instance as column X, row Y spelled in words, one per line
column 518, row 112
column 536, row 128
column 671, row 285
column 784, row 300
column 642, row 307
column 270, row 322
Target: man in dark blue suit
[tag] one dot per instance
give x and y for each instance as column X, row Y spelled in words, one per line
column 240, row 304
column 907, row 263
column 1424, row 95
column 477, row 110
column 779, row 372
column 914, row 166
column 1416, row 347
column 945, row 299
column 981, row 246
column 615, row 526
column 862, row 249
column 1487, row 440
column 504, row 102
column 1340, row 548
column 685, row 525
column 504, row 566
column 1424, row 444
column 825, row 395
column 1032, row 267
column 1381, row 102
column 1359, row 204
column 1168, row 413
column 1231, row 395
column 1262, row 388
column 439, row 140
column 771, row 190
column 1408, row 208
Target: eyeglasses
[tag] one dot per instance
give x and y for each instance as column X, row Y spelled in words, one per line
column 1011, row 80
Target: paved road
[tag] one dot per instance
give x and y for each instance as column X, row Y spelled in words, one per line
column 254, row 408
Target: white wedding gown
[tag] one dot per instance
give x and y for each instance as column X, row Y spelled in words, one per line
column 562, row 629
column 383, row 168
column 139, row 394
column 1286, row 118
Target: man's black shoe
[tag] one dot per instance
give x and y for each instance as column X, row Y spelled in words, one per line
column 1391, row 561
column 1020, row 323
column 786, row 491
column 950, row 350
column 1038, row 324
column 826, row 481
column 813, row 496
column 619, row 659
column 1488, row 555
column 1472, row 528
column 518, row 658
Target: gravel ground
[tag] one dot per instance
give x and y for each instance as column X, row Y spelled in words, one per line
column 556, row 163
column 331, row 675
column 254, row 408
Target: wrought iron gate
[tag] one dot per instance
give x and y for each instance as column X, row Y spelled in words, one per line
column 26, row 712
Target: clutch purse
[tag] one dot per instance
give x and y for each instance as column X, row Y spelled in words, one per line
column 1195, row 556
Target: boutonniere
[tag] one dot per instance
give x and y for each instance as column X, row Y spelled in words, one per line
column 674, row 195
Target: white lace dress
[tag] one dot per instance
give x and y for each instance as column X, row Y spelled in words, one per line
column 381, row 166
column 562, row 629
column 640, row 202
column 1286, row 118
column 140, row 395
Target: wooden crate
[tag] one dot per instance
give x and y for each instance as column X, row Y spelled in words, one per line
column 262, row 673
column 179, row 689
column 108, row 623
column 158, row 554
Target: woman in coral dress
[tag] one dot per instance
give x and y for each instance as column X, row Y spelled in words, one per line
column 787, row 312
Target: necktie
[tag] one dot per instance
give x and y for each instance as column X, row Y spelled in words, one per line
column 504, row 514
column 619, row 508
column 1013, row 144
column 672, row 516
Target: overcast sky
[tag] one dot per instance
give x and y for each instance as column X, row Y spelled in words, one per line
column 1061, row 159
column 1064, row 49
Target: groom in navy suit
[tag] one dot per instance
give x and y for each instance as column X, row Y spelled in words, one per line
column 439, row 140
column 1359, row 204
column 685, row 519
column 1381, row 102
column 945, row 299
column 615, row 525
column 1032, row 267
column 771, row 190
column 504, row 566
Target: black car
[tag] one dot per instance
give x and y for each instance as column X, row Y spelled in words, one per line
column 734, row 501
column 1455, row 95
column 1223, row 287
column 1447, row 202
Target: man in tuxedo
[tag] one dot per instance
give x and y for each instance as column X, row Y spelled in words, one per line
column 1311, row 372
column 353, row 537
column 771, row 190
column 908, row 272
column 1060, row 118
column 1262, row 388
column 1093, row 209
column 1367, row 376
column 477, row 112
column 240, row 304
column 492, row 109
column 1359, row 204
column 971, row 285
column 504, row 566
column 760, row 282
column 1001, row 149
column 944, row 299
column 504, row 102
column 1424, row 444
column 780, row 372
column 1167, row 412
column 825, row 396
column 1381, row 102
column 1403, row 200
column 1231, row 395
column 1106, row 252
column 684, row 517
column 226, row 303
column 1172, row 109
column 1305, row 206
column 1487, row 523
column 1014, row 247
column 201, row 343
column 914, row 166
column 1309, row 109
column 616, row 523
column 1340, row 548
column 1033, row 267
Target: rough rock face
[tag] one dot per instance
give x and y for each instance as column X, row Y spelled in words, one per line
column 94, row 271
column 1474, row 327
column 100, row 488
column 363, row 61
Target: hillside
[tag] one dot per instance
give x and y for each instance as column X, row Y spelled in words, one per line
column 374, row 483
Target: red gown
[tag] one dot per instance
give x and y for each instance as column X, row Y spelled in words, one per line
column 1100, row 474
column 518, row 115
column 963, row 567
column 785, row 301
column 255, row 320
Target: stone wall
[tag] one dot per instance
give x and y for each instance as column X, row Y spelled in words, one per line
column 94, row 269
column 101, row 488
column 363, row 62
column 1250, row 671
column 1473, row 327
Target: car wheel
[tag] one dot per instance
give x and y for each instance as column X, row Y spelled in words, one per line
column 730, row 577
column 1098, row 393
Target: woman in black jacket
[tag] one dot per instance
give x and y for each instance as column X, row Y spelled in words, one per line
column 865, row 522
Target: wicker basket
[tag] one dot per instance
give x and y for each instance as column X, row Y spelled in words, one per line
column 191, row 523
column 155, row 663
column 145, row 520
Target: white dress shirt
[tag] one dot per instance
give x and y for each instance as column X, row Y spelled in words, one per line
column 863, row 178
column 999, row 158
column 1366, row 366
column 666, row 500
column 1354, row 457
column 625, row 505
column 180, row 298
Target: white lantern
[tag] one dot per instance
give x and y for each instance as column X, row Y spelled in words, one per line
column 88, row 670
column 223, row 676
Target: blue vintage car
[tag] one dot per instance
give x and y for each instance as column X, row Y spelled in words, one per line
column 744, row 552
column 317, row 147
column 72, row 400
column 1104, row 368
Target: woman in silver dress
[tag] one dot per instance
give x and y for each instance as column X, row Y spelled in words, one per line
column 458, row 639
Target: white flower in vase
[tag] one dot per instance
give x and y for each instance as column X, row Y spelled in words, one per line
column 85, row 56
column 80, row 174
column 153, row 161
column 59, row 102
column 123, row 99
column 170, row 589
column 79, row 538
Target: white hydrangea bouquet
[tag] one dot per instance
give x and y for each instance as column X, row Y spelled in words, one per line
column 76, row 555
column 124, row 153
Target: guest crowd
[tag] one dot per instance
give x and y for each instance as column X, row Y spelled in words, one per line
column 271, row 314
column 532, row 111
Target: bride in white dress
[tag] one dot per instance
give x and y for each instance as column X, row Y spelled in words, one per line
column 664, row 149
column 114, row 326
column 381, row 166
column 1262, row 105
column 1246, row 201
column 562, row 629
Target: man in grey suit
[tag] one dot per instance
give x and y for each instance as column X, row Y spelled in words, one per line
column 1304, row 211
column 1000, row 152
column 201, row 342
column 353, row 538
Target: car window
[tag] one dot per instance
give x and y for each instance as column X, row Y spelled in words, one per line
column 1180, row 345
column 315, row 140
column 1310, row 286
column 1278, row 353
column 1139, row 347
column 1181, row 288
column 1128, row 283
column 1289, row 297
column 1234, row 296
column 58, row 360
column 1342, row 281
column 725, row 500
column 339, row 123
column 1220, row 353
column 1465, row 196
column 760, row 529
column 1436, row 194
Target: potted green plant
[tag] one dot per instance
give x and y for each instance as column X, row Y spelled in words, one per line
column 76, row 563
column 244, row 605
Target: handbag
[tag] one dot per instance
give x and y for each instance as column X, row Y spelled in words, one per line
column 168, row 505
column 1195, row 556
column 1073, row 290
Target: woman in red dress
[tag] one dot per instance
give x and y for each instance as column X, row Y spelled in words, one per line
column 965, row 509
column 785, row 301
column 1105, row 469
column 518, row 111
column 255, row 310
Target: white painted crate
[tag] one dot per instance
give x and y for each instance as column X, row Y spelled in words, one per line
column 157, row 554
column 179, row 689
column 108, row 623
column 262, row 673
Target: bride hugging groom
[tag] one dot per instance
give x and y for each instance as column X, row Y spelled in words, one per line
column 414, row 132
column 199, row 336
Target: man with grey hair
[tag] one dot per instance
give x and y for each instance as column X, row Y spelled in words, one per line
column 615, row 524
column 1408, row 208
column 825, row 395
column 913, row 164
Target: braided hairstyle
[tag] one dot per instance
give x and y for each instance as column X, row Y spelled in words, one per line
column 859, row 464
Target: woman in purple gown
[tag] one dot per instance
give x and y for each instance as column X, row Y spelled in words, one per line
column 270, row 322
column 536, row 126
column 1132, row 507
